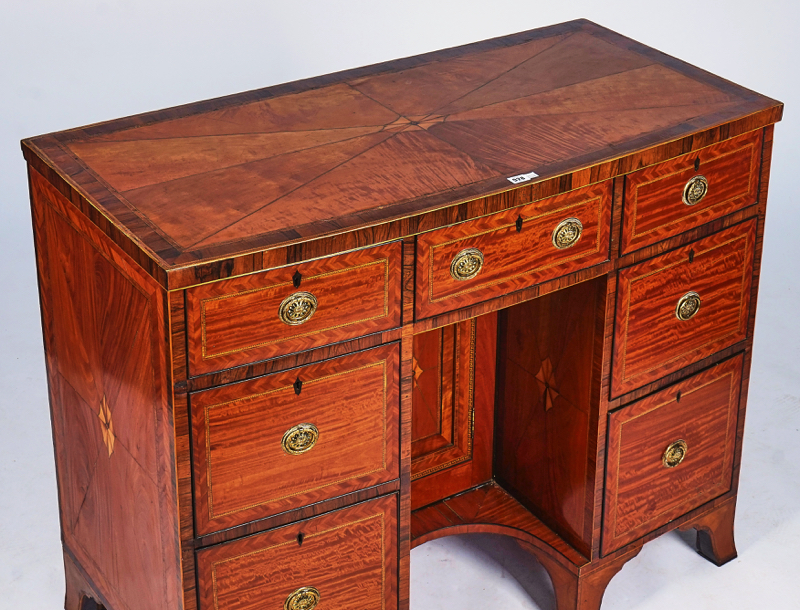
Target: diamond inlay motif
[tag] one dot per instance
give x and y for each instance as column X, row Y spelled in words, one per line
column 546, row 377
column 107, row 425
column 418, row 370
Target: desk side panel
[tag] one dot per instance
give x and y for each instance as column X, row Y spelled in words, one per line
column 107, row 366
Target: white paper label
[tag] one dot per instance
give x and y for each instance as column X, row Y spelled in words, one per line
column 523, row 177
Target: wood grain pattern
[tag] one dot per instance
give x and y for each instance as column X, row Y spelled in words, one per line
column 650, row 340
column 236, row 322
column 641, row 494
column 105, row 345
column 513, row 257
column 552, row 100
column 545, row 401
column 242, row 472
column 349, row 556
column 653, row 206
column 463, row 457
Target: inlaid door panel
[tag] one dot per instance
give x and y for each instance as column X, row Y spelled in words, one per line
column 452, row 402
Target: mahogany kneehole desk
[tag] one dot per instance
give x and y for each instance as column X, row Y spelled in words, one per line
column 290, row 334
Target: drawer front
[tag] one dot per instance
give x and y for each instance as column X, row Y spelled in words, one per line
column 499, row 254
column 344, row 560
column 259, row 316
column 655, row 205
column 670, row 453
column 293, row 438
column 650, row 339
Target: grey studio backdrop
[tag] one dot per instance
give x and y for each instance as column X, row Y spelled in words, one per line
column 66, row 64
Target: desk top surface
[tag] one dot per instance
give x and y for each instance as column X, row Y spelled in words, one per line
column 316, row 157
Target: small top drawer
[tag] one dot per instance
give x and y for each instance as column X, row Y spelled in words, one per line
column 276, row 312
column 683, row 193
column 670, row 453
column 682, row 306
column 487, row 257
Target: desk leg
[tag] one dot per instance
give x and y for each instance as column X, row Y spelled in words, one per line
column 581, row 588
column 79, row 593
column 715, row 539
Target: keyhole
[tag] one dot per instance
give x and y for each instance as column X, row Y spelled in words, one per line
column 296, row 279
column 519, row 224
column 300, row 538
column 298, row 386
column 697, row 164
column 691, row 255
column 678, row 397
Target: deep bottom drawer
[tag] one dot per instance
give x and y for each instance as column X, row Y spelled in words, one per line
column 343, row 560
column 670, row 452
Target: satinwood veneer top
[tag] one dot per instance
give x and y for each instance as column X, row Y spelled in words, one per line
column 313, row 158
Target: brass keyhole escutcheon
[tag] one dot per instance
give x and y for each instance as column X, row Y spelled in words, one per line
column 300, row 438
column 688, row 306
column 675, row 454
column 466, row 264
column 305, row 598
column 695, row 190
column 567, row 233
column 297, row 308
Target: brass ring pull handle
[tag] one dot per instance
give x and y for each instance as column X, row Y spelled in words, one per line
column 300, row 438
column 688, row 306
column 695, row 190
column 674, row 454
column 297, row 308
column 466, row 264
column 305, row 598
column 567, row 233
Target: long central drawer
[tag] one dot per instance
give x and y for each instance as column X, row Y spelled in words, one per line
column 487, row 257
column 293, row 438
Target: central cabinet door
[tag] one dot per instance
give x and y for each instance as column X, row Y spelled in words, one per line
column 452, row 398
column 293, row 438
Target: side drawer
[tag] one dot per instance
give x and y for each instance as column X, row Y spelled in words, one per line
column 346, row 559
column 682, row 306
column 686, row 192
column 670, row 453
column 283, row 441
column 294, row 308
column 491, row 256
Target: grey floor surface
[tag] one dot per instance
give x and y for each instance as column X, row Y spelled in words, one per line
column 69, row 64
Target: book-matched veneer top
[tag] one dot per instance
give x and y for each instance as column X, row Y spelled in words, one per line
column 320, row 156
